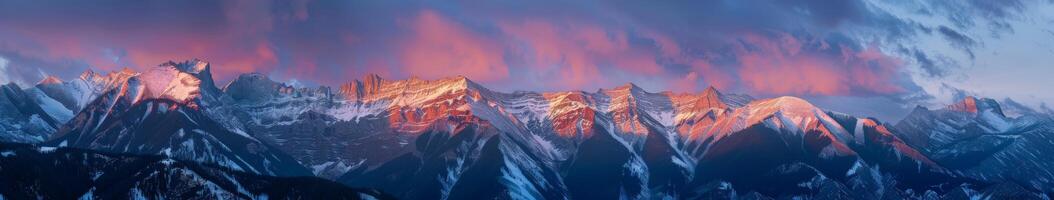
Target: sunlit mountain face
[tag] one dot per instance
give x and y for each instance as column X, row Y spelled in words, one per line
column 315, row 99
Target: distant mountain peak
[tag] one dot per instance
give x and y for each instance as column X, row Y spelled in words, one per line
column 48, row 80
column 252, row 76
column 710, row 98
column 711, row 90
column 252, row 87
column 126, row 70
column 788, row 103
column 920, row 107
column 88, row 73
column 919, row 111
column 461, row 78
column 193, row 66
column 460, row 81
column 629, row 86
column 372, row 78
column 971, row 104
column 967, row 104
column 179, row 81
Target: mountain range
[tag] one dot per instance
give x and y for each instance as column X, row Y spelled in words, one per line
column 453, row 138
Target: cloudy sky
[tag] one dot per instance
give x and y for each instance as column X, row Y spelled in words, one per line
column 868, row 57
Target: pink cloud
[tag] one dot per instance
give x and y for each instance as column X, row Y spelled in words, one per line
column 440, row 47
column 667, row 45
column 231, row 50
column 576, row 54
column 687, row 83
column 712, row 75
column 781, row 65
column 561, row 54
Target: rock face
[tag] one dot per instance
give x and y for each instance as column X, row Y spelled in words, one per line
column 452, row 138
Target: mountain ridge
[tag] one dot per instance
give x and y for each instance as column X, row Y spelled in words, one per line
column 390, row 134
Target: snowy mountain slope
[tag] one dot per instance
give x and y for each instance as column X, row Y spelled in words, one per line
column 27, row 116
column 167, row 127
column 975, row 138
column 60, row 100
column 172, row 110
column 607, row 167
column 42, row 172
column 50, row 106
column 76, row 93
column 188, row 82
column 463, row 161
column 749, row 146
column 827, row 135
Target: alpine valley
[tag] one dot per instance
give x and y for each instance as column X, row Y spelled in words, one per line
column 172, row 132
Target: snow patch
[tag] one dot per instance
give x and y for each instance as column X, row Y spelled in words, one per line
column 46, row 149
column 367, row 197
column 87, row 196
column 52, row 107
column 856, row 166
column 520, row 187
column 548, row 147
column 36, row 121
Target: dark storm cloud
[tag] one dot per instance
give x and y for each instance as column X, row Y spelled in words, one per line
column 958, row 40
column 927, row 64
column 970, row 13
column 822, row 27
column 956, row 93
column 934, row 66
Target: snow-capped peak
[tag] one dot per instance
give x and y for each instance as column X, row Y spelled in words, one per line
column 252, row 87
column 171, row 82
column 87, row 74
column 49, row 80
column 195, row 66
column 972, row 104
column 787, row 113
column 628, row 88
column 787, row 106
